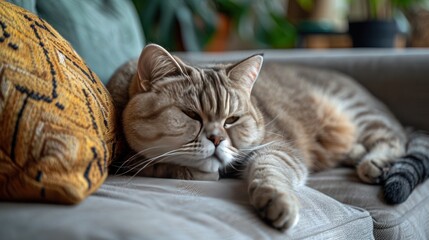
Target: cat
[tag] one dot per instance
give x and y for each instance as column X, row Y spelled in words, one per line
column 192, row 122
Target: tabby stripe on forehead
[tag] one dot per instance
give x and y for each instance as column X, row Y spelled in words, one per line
column 206, row 102
column 199, row 103
column 219, row 92
column 225, row 107
column 230, row 100
column 214, row 98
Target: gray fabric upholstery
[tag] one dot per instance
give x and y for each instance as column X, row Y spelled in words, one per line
column 147, row 208
column 408, row 220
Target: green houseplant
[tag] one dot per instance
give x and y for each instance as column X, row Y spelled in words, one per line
column 178, row 24
column 259, row 24
column 190, row 25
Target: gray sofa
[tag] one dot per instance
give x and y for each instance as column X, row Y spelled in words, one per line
column 335, row 205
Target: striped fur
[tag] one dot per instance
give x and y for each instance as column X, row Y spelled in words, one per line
column 192, row 122
column 409, row 171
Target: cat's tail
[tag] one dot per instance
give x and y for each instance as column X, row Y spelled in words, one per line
column 406, row 173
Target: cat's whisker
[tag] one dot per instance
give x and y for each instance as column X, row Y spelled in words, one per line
column 135, row 156
column 232, row 166
column 272, row 121
column 187, row 148
column 132, row 167
column 145, row 165
column 276, row 134
column 158, row 159
column 148, row 163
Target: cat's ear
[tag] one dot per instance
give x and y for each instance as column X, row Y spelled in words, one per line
column 246, row 71
column 156, row 63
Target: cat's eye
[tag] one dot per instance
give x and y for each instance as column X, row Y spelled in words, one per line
column 231, row 120
column 192, row 115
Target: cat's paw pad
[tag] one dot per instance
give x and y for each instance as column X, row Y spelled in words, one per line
column 370, row 171
column 278, row 208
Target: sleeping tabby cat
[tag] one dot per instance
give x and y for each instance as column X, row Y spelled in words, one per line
column 193, row 122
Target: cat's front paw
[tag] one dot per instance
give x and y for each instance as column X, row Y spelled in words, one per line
column 278, row 207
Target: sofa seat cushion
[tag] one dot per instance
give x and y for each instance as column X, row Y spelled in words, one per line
column 404, row 221
column 149, row 208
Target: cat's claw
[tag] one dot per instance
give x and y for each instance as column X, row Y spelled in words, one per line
column 278, row 208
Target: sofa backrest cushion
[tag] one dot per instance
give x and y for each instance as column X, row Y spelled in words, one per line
column 105, row 33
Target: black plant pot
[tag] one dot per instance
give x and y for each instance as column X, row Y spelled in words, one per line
column 373, row 33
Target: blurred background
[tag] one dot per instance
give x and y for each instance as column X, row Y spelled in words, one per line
column 108, row 33
column 222, row 25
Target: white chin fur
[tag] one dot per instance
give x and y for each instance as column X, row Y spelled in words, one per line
column 224, row 154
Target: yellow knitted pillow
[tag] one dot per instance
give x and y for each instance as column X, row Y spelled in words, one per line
column 56, row 117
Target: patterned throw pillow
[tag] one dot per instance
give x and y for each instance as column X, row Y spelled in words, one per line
column 56, row 117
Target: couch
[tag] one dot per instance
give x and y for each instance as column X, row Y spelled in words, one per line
column 335, row 204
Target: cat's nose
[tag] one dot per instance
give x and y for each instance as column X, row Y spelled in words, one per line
column 216, row 139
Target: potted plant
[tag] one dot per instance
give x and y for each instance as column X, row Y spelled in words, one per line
column 215, row 25
column 372, row 22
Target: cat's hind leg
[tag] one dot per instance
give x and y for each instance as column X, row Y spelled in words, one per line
column 355, row 155
column 384, row 143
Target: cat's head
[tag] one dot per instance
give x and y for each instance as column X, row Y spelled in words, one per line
column 199, row 117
